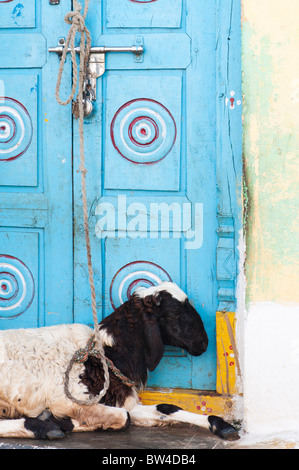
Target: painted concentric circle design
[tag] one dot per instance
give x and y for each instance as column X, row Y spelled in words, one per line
column 15, row 129
column 143, row 131
column 133, row 276
column 16, row 287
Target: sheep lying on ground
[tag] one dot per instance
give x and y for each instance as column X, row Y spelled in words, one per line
column 33, row 362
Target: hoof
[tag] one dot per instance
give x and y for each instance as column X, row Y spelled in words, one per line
column 46, row 426
column 46, row 414
column 222, row 429
column 55, row 434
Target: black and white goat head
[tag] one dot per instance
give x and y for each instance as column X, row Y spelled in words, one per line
column 133, row 337
column 170, row 318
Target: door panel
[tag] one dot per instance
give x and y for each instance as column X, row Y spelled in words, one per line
column 23, row 51
column 19, row 283
column 17, row 15
column 144, row 14
column 19, row 126
column 143, row 132
column 36, row 273
column 125, row 268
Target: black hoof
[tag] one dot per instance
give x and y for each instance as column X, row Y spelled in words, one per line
column 46, row 426
column 55, row 434
column 222, row 429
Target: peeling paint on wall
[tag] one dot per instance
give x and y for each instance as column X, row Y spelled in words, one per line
column 270, row 38
column 270, row 320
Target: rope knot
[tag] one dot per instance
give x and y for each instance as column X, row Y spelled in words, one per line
column 82, row 169
column 77, row 22
column 82, row 354
column 75, row 19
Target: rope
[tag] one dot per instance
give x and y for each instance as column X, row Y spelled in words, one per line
column 82, row 355
column 77, row 22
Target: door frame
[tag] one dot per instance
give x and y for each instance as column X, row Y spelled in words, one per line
column 229, row 216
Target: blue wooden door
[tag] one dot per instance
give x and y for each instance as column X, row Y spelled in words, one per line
column 158, row 210
column 36, row 281
column 150, row 149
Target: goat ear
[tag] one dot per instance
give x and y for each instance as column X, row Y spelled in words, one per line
column 157, row 299
column 153, row 342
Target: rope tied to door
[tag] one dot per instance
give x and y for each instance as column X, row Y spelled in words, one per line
column 77, row 22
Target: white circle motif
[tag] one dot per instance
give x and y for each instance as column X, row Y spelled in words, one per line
column 132, row 276
column 16, row 287
column 143, row 131
column 15, row 129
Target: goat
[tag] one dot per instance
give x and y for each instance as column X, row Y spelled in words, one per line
column 33, row 364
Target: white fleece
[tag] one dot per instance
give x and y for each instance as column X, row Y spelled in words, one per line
column 33, row 363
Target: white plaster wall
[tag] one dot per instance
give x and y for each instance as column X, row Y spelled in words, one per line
column 271, row 368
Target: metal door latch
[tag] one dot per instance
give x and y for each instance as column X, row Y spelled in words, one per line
column 96, row 66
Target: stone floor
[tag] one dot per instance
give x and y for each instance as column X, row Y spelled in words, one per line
column 180, row 437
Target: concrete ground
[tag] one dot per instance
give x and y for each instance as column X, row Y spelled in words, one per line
column 178, row 437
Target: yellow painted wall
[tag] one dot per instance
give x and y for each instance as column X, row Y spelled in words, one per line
column 270, row 58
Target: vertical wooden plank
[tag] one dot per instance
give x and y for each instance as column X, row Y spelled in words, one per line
column 57, row 175
column 229, row 148
column 94, row 126
column 228, row 366
column 201, row 177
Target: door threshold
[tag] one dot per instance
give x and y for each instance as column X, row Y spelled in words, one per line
column 202, row 402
